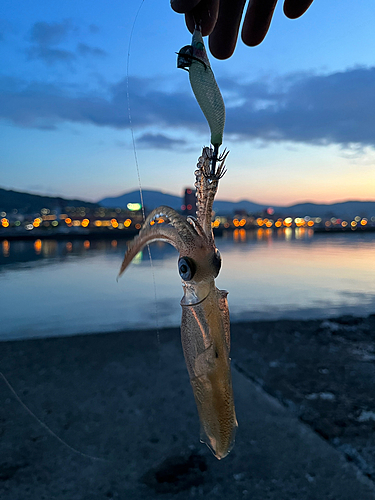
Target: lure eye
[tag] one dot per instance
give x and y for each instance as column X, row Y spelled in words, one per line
column 186, row 268
column 184, row 58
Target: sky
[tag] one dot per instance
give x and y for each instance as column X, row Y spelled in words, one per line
column 300, row 106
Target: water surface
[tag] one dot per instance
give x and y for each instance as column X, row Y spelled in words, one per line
column 50, row 288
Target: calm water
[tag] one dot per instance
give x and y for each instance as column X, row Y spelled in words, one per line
column 50, row 288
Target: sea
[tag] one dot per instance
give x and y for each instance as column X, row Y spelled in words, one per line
column 54, row 288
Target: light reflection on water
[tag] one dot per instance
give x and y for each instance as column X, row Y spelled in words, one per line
column 53, row 287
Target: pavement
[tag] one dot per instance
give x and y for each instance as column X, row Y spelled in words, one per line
column 125, row 398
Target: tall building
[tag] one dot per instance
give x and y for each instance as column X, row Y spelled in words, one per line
column 189, row 206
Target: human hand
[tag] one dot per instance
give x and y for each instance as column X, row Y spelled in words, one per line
column 221, row 20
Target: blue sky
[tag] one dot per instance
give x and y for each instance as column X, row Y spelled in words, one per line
column 300, row 107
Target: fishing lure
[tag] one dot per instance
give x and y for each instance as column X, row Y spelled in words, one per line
column 205, row 327
column 194, row 59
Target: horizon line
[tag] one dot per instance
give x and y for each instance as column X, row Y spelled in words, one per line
column 172, row 194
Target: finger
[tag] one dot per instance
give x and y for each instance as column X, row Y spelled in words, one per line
column 295, row 8
column 223, row 38
column 257, row 21
column 183, row 6
column 204, row 15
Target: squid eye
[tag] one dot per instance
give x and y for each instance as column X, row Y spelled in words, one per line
column 217, row 261
column 186, row 268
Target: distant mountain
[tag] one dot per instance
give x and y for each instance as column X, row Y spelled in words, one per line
column 345, row 209
column 33, row 203
column 227, row 207
column 153, row 199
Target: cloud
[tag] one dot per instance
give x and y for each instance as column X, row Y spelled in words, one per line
column 46, row 34
column 93, row 28
column 86, row 50
column 46, row 38
column 50, row 56
column 337, row 108
column 40, row 105
column 159, row 141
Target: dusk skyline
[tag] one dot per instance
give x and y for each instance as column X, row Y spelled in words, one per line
column 300, row 107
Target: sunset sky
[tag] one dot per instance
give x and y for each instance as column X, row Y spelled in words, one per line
column 300, row 107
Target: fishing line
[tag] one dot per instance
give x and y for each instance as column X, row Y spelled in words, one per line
column 138, row 170
column 45, row 426
column 8, row 384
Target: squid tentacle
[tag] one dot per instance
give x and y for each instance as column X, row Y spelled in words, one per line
column 177, row 231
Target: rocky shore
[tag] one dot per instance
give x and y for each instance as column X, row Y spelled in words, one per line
column 304, row 401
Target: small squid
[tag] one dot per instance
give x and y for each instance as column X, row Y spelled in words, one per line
column 205, row 329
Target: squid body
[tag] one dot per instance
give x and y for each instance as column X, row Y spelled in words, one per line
column 205, row 330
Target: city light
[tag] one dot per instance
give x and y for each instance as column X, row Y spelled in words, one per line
column 288, row 222
column 134, row 206
column 6, row 248
column 49, row 222
column 38, row 246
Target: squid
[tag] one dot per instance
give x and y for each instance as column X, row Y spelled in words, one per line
column 205, row 327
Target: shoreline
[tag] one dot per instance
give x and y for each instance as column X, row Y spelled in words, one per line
column 258, row 318
column 130, row 233
column 303, row 393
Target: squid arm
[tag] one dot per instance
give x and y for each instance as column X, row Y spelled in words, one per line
column 205, row 332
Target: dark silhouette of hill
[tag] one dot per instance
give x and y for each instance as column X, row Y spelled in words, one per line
column 33, row 203
column 30, row 203
column 152, row 199
column 345, row 209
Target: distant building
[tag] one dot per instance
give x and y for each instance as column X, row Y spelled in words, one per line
column 189, row 206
